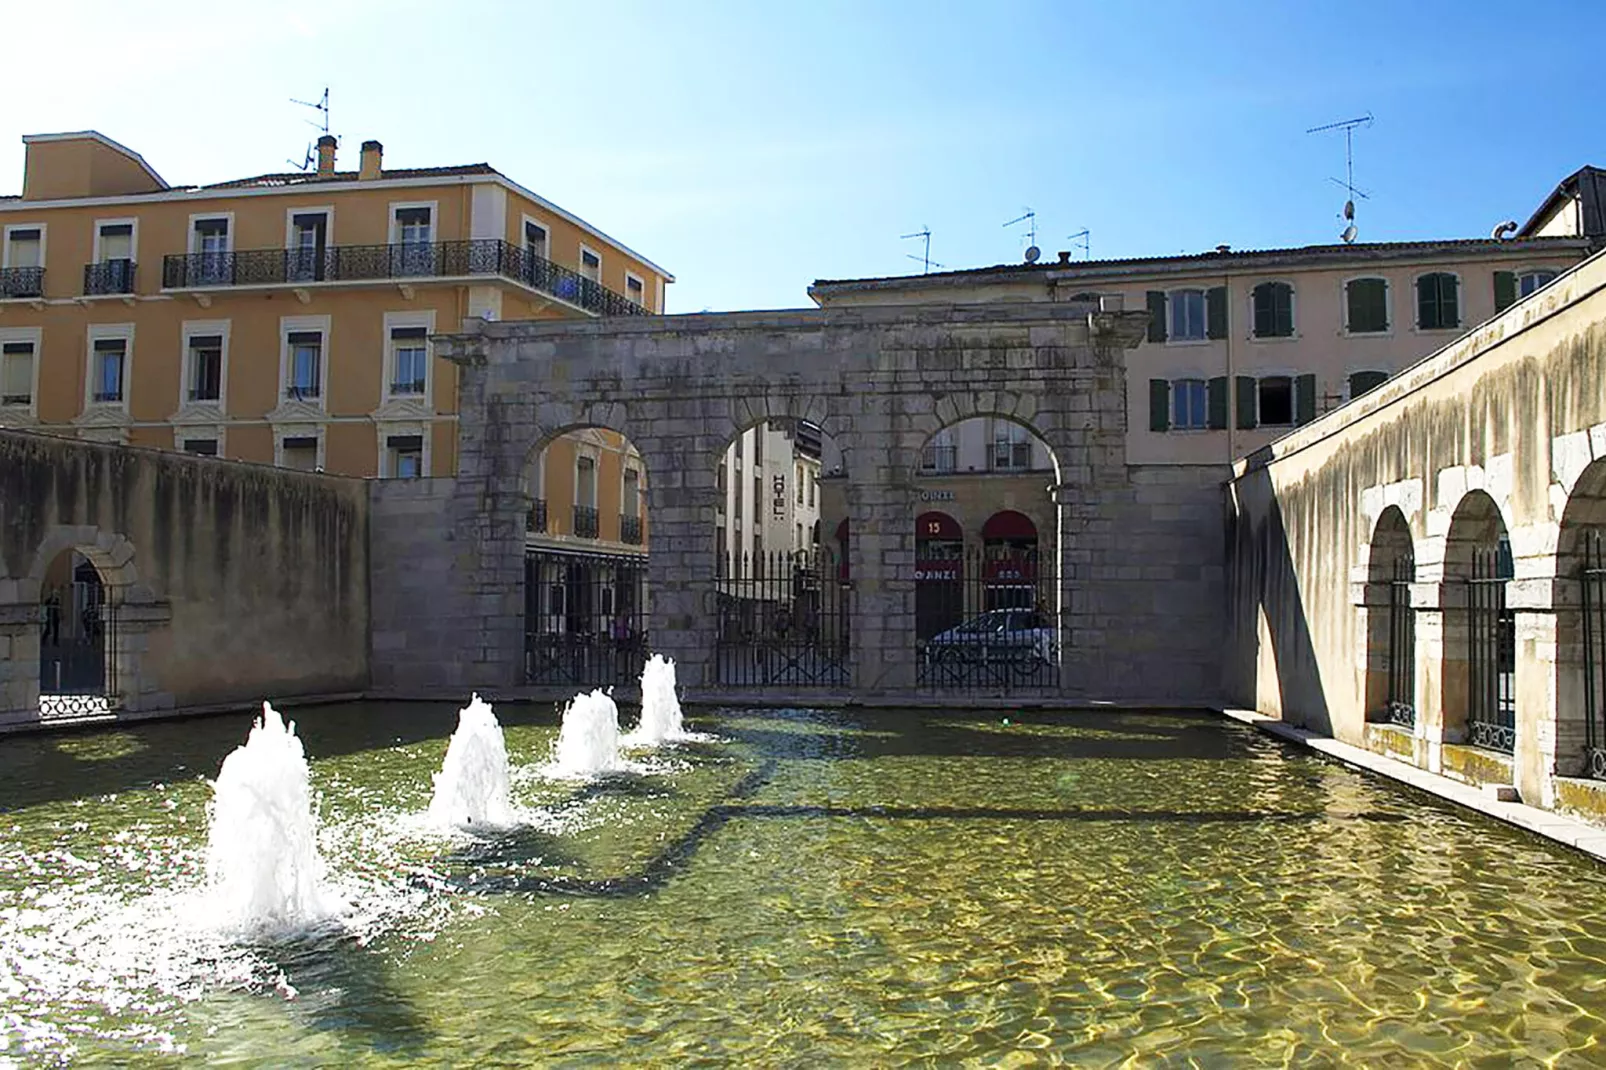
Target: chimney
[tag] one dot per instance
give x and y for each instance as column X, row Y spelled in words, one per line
column 1065, row 256
column 326, row 155
column 372, row 153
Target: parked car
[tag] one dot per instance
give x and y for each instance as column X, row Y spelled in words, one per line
column 997, row 635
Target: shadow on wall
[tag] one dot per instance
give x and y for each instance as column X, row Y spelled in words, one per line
column 1270, row 629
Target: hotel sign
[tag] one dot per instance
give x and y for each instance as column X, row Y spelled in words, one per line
column 778, row 491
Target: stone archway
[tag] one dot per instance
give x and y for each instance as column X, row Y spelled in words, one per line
column 1579, row 597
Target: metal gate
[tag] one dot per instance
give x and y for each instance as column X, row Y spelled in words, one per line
column 783, row 620
column 1400, row 705
column 1491, row 655
column 985, row 624
column 585, row 621
column 1593, row 579
column 77, row 633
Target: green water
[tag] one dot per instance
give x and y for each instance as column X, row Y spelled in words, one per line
column 811, row 889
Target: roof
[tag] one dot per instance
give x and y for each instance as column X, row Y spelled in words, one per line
column 1588, row 181
column 95, row 135
column 1219, row 259
column 307, row 178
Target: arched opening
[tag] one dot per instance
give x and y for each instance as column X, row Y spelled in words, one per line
column 939, row 573
column 1480, row 653
column 1010, row 561
column 1391, row 623
column 1581, row 628
column 77, row 639
column 781, row 594
column 585, row 560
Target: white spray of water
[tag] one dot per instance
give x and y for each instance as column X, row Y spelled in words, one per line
column 660, row 706
column 472, row 787
column 588, row 742
column 262, row 851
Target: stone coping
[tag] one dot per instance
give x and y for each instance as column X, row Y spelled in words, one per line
column 1568, row 831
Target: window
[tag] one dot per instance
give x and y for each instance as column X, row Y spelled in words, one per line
column 409, row 360
column 210, row 244
column 723, row 477
column 201, row 447
column 1187, row 315
column 23, row 263
column 309, row 246
column 113, row 270
column 413, row 226
column 1361, row 382
column 738, row 505
column 1275, row 403
column 205, row 367
column 116, row 242
column 585, row 483
column 405, row 454
column 535, row 240
column 758, row 443
column 306, row 365
column 413, row 254
column 301, row 453
column 797, row 480
column 1012, row 447
column 1529, row 281
column 1437, row 302
column 590, row 264
column 1274, row 310
column 1366, row 306
column 758, row 499
column 16, row 374
column 814, row 483
column 636, row 290
column 110, row 357
column 1189, row 401
column 630, row 500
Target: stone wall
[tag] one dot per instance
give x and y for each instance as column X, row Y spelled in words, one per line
column 228, row 582
column 412, row 556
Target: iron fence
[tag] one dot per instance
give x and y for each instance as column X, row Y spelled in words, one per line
column 630, row 529
column 983, row 622
column 1592, row 577
column 22, row 282
column 1400, row 702
column 586, row 523
column 783, row 620
column 77, row 645
column 585, row 618
column 537, row 518
column 1491, row 655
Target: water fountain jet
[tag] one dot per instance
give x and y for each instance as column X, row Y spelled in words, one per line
column 588, row 742
column 660, row 706
column 471, row 788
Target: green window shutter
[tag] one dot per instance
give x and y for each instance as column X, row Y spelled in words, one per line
column 1216, row 312
column 1284, row 296
column 1361, row 382
column 1217, row 403
column 1449, row 301
column 1505, row 290
column 1304, row 399
column 1426, row 303
column 1156, row 316
column 1246, row 402
column 1368, row 306
column 1159, row 405
column 1263, row 310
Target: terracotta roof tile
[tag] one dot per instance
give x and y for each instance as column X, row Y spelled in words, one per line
column 308, row 178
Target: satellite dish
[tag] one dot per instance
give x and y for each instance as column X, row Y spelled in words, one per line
column 1032, row 253
column 1349, row 234
column 1349, row 209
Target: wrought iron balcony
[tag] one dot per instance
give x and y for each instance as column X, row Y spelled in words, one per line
column 109, row 277
column 22, row 282
column 630, row 529
column 537, row 518
column 585, row 521
column 401, row 262
column 939, row 458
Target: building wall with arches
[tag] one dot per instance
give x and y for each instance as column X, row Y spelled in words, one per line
column 1488, row 455
column 227, row 583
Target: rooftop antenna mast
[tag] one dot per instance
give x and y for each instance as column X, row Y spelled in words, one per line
column 1082, row 240
column 1030, row 219
column 924, row 258
column 1349, row 127
column 322, row 107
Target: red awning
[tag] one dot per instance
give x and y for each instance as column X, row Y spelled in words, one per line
column 937, row 525
column 1009, row 525
column 842, row 531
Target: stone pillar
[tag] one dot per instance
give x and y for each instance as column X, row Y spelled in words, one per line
column 1546, row 744
column 1432, row 623
column 19, row 660
column 682, row 601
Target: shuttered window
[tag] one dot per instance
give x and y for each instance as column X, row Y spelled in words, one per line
column 1188, row 405
column 1274, row 310
column 1366, row 305
column 1438, row 306
column 1529, row 281
column 1505, row 290
column 16, row 373
column 1187, row 315
column 1361, row 382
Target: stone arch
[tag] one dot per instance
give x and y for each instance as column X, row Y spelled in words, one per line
column 1476, row 543
column 1580, row 683
column 952, row 410
column 745, row 413
column 1389, row 666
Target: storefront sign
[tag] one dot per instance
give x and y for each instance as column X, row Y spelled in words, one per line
column 936, row 495
column 936, row 571
column 778, row 489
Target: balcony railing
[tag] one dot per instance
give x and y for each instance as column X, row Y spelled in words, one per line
column 630, row 529
column 367, row 263
column 585, row 521
column 22, row 282
column 537, row 517
column 939, row 458
column 109, row 277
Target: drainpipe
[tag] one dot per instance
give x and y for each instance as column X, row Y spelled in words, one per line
column 1232, row 379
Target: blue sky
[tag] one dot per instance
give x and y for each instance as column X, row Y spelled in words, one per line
column 751, row 148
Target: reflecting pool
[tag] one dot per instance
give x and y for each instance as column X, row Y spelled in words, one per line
column 798, row 888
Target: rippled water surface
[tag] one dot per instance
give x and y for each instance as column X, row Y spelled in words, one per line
column 807, row 888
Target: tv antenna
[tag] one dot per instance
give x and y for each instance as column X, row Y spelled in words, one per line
column 1082, row 240
column 1349, row 127
column 322, row 108
column 1030, row 219
column 925, row 257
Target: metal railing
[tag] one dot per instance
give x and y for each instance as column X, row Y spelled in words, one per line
column 1592, row 577
column 630, row 529
column 585, row 522
column 536, row 521
column 982, row 621
column 22, row 282
column 783, row 620
column 368, row 263
column 109, row 277
column 1400, row 702
column 585, row 621
column 939, row 458
column 1491, row 657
